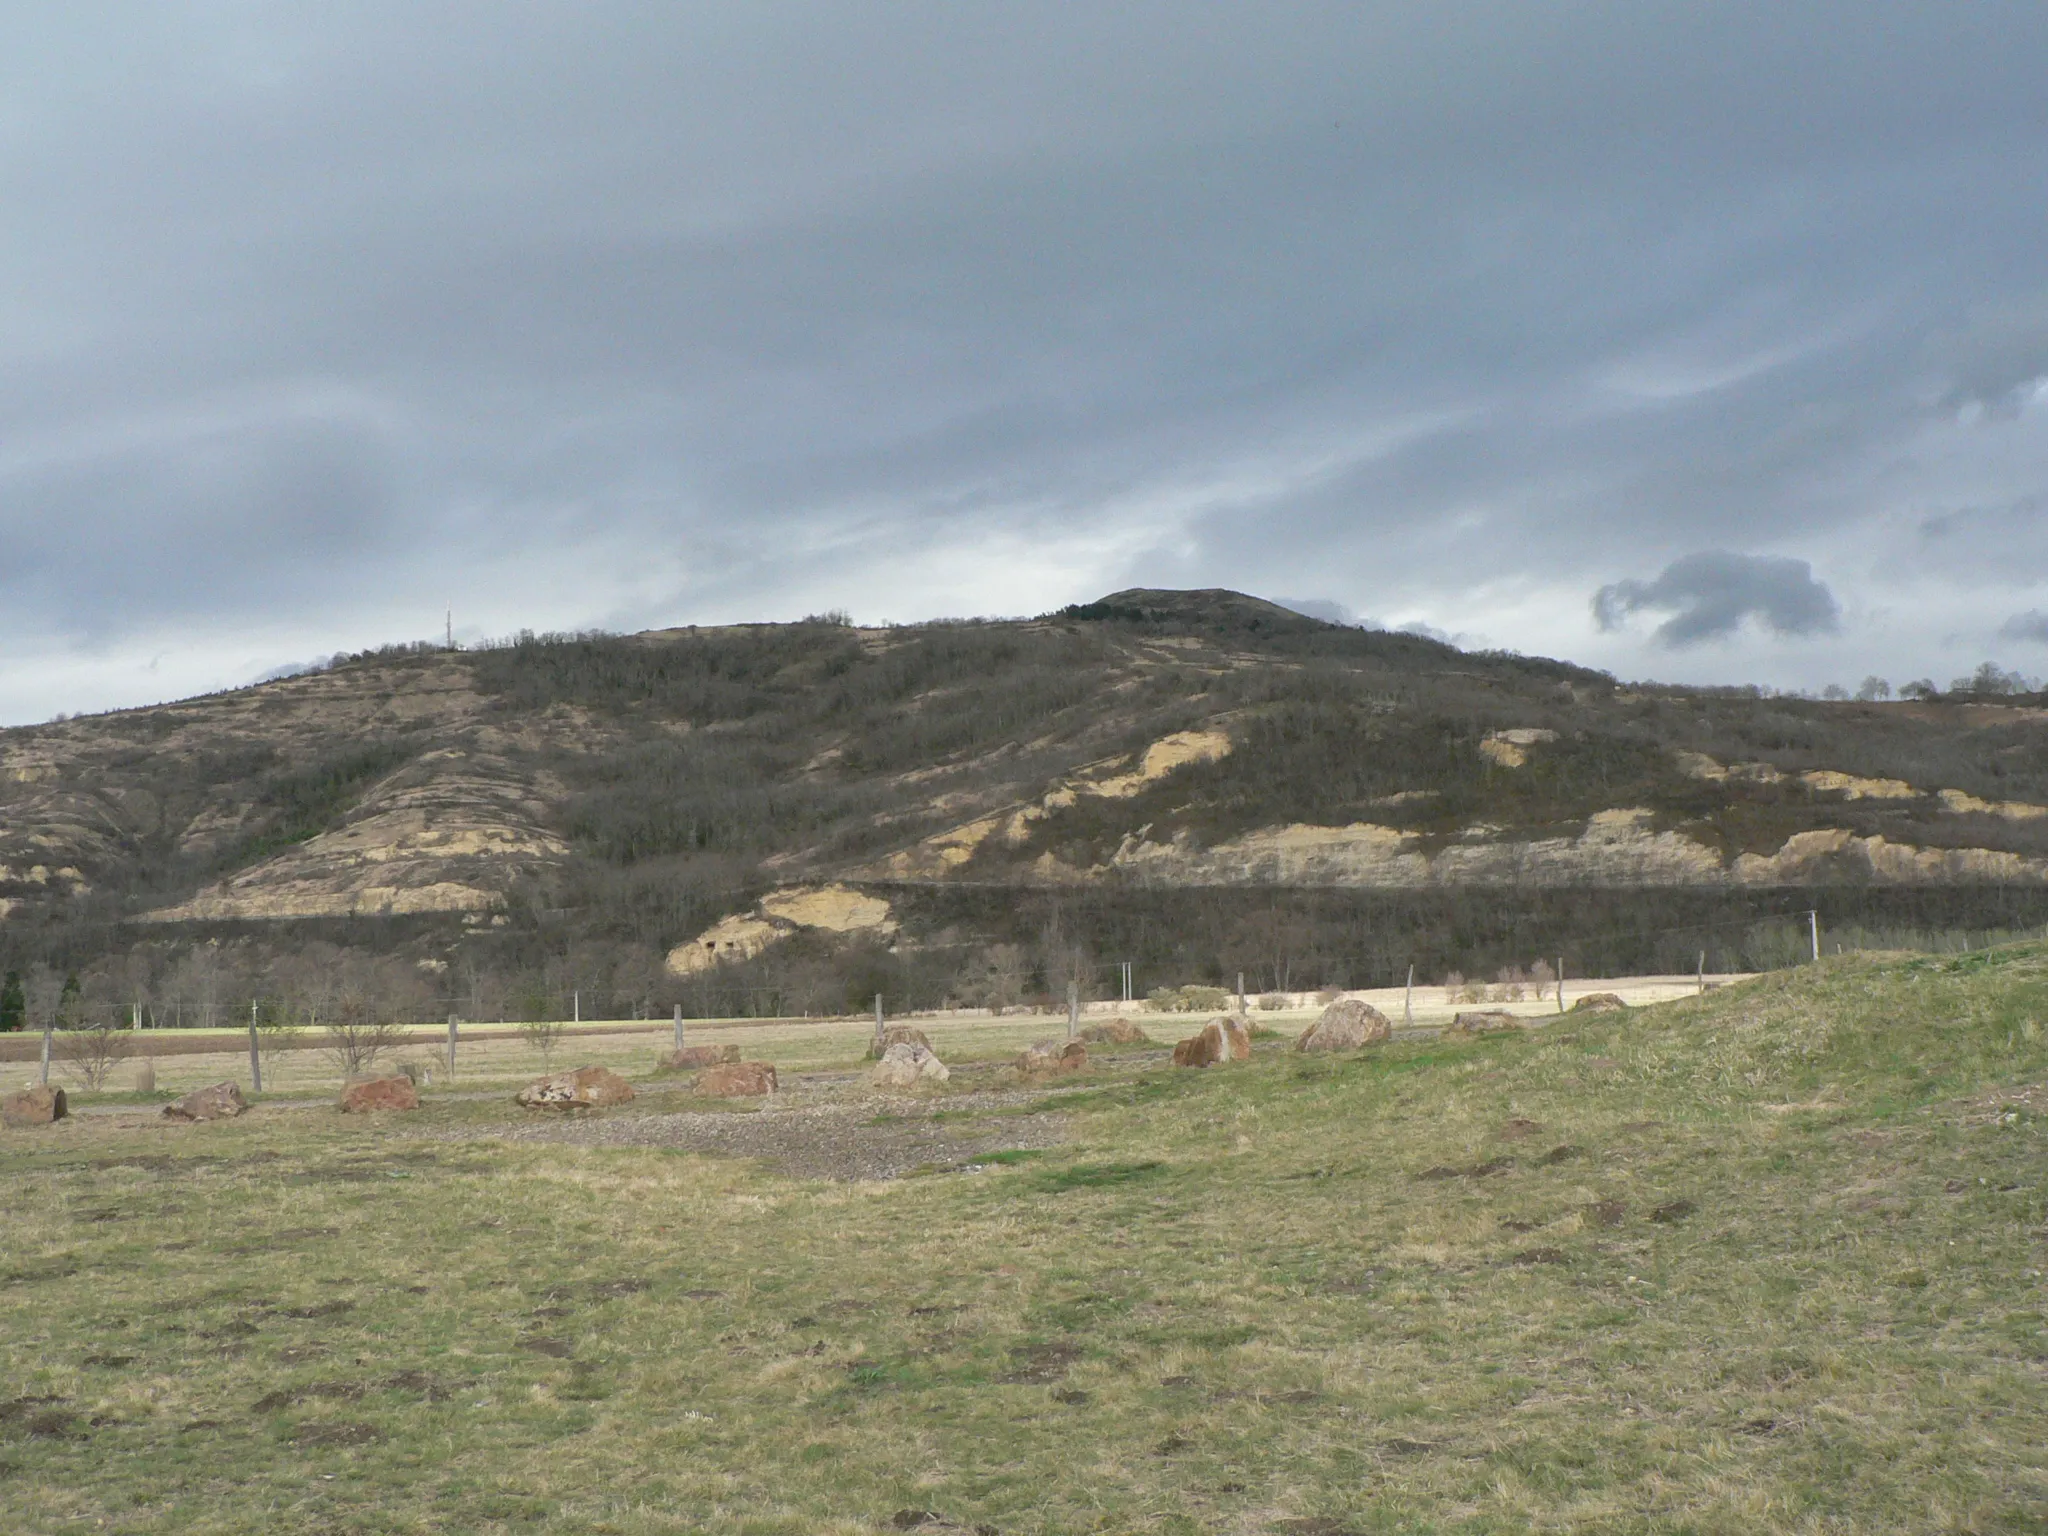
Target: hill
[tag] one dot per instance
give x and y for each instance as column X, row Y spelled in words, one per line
column 796, row 816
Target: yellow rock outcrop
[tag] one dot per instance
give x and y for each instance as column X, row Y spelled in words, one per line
column 940, row 854
column 776, row 916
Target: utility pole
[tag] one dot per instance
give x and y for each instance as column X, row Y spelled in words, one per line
column 451, row 626
column 255, row 1057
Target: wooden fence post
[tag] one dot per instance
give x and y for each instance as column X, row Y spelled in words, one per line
column 878, row 1023
column 451, row 1045
column 1408, row 1001
column 255, row 1056
column 1560, row 983
column 679, row 1026
column 1073, row 1008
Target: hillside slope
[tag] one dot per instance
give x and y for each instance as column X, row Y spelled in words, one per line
column 703, row 797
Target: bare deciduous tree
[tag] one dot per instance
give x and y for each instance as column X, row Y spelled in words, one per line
column 92, row 1047
column 543, row 1035
column 357, row 1034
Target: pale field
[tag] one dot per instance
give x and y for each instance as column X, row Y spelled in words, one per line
column 794, row 1046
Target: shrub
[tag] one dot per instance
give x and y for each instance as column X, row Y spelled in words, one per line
column 1189, row 999
column 1273, row 1002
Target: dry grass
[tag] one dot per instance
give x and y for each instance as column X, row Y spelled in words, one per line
column 1595, row 1278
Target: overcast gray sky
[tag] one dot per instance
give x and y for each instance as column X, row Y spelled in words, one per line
column 1697, row 341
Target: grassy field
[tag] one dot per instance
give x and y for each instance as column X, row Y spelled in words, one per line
column 1765, row 1260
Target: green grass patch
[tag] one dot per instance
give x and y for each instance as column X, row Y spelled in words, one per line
column 1767, row 1259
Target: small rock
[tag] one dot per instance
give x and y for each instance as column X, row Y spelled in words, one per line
column 692, row 1058
column 906, row 1064
column 583, row 1088
column 1054, row 1056
column 1221, row 1040
column 1346, row 1025
column 1115, row 1032
column 374, row 1093
column 736, row 1080
column 223, row 1101
column 1600, row 1002
column 39, row 1105
column 897, row 1034
column 1484, row 1021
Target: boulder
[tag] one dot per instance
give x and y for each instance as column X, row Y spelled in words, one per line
column 1599, row 1002
column 1221, row 1040
column 736, row 1080
column 583, row 1088
column 692, row 1058
column 1115, row 1032
column 373, row 1093
column 896, row 1034
column 39, row 1105
column 223, row 1101
column 1484, row 1021
column 1054, row 1056
column 905, row 1065
column 1345, row 1025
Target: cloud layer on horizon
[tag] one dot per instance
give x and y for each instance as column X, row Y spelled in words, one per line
column 316, row 323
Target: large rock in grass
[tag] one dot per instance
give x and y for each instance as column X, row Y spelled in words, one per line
column 582, row 1088
column 904, row 1065
column 693, row 1058
column 40, row 1105
column 375, row 1093
column 1346, row 1025
column 736, row 1080
column 1115, row 1032
column 1221, row 1041
column 897, row 1034
column 1600, row 1002
column 1049, row 1056
column 1484, row 1021
column 223, row 1101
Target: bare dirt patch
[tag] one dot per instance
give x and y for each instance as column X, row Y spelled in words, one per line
column 867, row 1139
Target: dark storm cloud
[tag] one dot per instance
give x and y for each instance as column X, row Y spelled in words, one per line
column 629, row 314
column 2031, row 625
column 1709, row 595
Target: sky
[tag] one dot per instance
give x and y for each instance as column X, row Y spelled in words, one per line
column 1700, row 342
